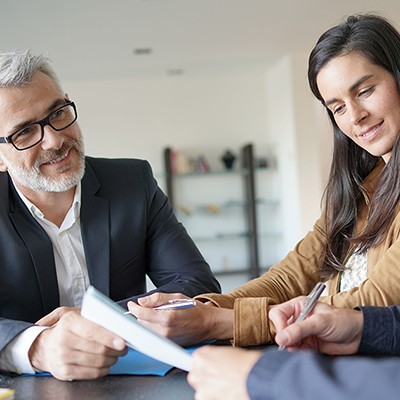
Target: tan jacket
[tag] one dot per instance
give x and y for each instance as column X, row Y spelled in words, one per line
column 297, row 274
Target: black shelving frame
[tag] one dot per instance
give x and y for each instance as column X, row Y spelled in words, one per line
column 247, row 156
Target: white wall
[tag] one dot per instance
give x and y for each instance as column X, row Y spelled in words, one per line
column 137, row 118
column 208, row 112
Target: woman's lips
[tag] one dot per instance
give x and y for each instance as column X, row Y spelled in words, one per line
column 370, row 134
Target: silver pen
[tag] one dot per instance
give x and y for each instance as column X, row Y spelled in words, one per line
column 175, row 304
column 309, row 304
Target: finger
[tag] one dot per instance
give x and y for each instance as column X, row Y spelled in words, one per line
column 55, row 315
column 91, row 332
column 157, row 299
column 281, row 314
column 295, row 333
column 79, row 372
column 90, row 359
column 162, row 317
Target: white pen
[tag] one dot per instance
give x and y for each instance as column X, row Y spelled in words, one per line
column 309, row 304
column 174, row 304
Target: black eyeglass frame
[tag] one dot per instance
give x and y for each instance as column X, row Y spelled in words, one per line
column 43, row 122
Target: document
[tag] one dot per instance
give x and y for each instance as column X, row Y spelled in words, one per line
column 6, row 394
column 99, row 309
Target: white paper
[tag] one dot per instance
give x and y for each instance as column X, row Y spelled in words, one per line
column 98, row 308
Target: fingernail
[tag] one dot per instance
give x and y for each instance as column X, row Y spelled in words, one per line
column 143, row 300
column 283, row 338
column 118, row 344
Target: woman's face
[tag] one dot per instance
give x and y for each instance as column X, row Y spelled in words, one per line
column 364, row 100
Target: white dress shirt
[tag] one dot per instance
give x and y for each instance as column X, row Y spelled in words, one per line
column 72, row 277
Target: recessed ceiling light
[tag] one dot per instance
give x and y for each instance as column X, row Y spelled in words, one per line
column 142, row 51
column 175, row 71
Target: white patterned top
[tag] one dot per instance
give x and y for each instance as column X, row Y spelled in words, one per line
column 355, row 272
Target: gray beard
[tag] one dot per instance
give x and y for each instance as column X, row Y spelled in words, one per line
column 33, row 179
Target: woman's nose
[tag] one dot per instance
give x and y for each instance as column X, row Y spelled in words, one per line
column 357, row 114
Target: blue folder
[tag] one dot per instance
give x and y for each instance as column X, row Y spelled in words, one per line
column 136, row 363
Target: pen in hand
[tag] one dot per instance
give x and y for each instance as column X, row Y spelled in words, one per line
column 309, row 304
column 175, row 304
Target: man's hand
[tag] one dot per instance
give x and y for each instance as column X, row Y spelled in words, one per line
column 52, row 318
column 221, row 372
column 74, row 347
column 184, row 326
column 328, row 329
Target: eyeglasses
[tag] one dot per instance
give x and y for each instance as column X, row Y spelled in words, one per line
column 33, row 134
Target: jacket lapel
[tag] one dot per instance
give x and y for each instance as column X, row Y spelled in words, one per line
column 39, row 247
column 95, row 228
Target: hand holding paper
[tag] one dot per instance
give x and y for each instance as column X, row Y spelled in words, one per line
column 74, row 347
column 98, row 308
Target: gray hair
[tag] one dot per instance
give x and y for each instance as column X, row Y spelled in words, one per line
column 17, row 68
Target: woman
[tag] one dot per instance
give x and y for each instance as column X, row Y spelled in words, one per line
column 354, row 70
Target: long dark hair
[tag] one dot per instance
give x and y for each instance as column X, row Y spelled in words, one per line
column 374, row 38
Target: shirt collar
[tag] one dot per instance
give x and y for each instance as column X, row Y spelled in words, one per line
column 37, row 213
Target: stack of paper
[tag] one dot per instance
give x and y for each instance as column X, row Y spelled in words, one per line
column 100, row 309
column 6, row 394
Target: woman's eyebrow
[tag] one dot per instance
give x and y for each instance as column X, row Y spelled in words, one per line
column 351, row 88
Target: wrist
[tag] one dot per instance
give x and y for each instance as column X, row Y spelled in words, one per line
column 359, row 323
column 36, row 352
column 221, row 324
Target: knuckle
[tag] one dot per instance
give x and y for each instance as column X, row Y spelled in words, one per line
column 64, row 372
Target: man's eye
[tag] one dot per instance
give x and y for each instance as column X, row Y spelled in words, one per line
column 26, row 131
column 58, row 114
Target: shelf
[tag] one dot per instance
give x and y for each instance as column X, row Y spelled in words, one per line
column 235, row 236
column 270, row 235
column 221, row 236
column 215, row 209
column 215, row 172
column 247, row 203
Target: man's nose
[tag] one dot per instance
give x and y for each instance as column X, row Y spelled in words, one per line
column 51, row 139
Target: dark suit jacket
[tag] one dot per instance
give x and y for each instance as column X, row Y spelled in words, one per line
column 128, row 230
column 313, row 376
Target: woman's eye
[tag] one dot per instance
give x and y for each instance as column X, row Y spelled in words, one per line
column 338, row 110
column 365, row 92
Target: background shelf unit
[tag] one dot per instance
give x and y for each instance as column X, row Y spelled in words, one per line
column 219, row 210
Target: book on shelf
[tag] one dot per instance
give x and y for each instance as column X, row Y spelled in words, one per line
column 182, row 164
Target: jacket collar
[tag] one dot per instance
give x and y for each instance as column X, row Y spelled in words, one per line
column 95, row 228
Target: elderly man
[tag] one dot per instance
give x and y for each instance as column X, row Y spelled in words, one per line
column 68, row 221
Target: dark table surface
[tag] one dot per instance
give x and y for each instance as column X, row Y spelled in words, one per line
column 173, row 386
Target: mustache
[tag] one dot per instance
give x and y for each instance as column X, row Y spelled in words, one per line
column 54, row 154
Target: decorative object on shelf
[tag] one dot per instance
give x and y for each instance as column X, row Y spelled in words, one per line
column 228, row 158
column 187, row 210
column 212, row 208
column 262, row 162
column 202, row 164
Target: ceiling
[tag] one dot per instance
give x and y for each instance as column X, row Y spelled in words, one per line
column 97, row 38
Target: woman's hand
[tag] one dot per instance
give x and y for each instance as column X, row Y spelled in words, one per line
column 328, row 329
